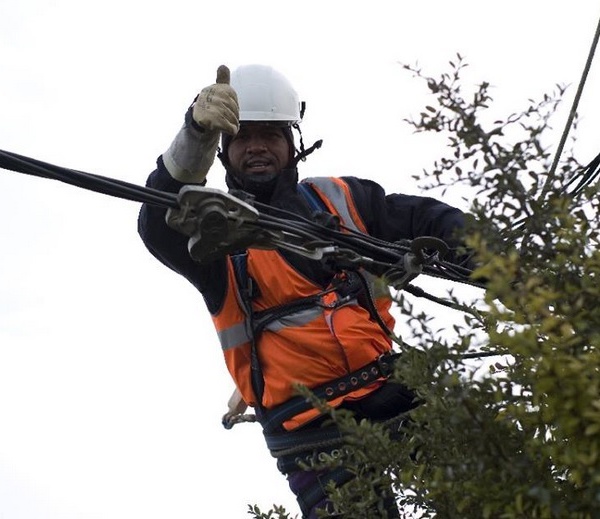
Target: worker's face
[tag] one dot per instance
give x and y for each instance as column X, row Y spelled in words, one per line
column 259, row 149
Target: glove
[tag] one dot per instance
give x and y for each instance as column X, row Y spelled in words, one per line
column 193, row 150
column 216, row 107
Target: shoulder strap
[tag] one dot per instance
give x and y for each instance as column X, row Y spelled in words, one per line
column 240, row 267
column 337, row 193
column 313, row 200
column 246, row 289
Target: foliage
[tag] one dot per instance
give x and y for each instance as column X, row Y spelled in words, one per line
column 518, row 437
column 538, row 416
column 277, row 512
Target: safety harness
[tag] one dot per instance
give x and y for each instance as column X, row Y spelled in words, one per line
column 346, row 286
column 296, row 449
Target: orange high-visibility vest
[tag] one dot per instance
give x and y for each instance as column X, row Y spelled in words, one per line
column 312, row 345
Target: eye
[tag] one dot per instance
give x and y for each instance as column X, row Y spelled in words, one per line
column 241, row 136
column 274, row 135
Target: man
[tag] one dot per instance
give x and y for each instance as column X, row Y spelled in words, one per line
column 282, row 318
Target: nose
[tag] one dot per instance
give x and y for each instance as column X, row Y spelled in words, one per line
column 256, row 144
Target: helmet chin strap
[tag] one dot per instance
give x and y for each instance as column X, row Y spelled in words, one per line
column 262, row 185
column 305, row 153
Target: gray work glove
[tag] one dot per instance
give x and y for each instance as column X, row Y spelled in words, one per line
column 216, row 107
column 193, row 150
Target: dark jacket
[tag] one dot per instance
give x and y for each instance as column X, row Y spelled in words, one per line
column 390, row 217
column 316, row 353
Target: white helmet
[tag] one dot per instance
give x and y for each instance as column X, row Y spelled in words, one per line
column 266, row 95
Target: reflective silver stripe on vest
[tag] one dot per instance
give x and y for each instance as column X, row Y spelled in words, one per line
column 295, row 319
column 239, row 334
column 234, row 336
column 336, row 196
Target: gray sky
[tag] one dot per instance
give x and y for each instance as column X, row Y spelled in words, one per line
column 111, row 379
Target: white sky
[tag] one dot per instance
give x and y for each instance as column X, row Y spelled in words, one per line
column 111, row 379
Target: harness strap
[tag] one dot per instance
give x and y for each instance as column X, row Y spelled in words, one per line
column 300, row 461
column 246, row 293
column 313, row 200
column 266, row 317
column 245, row 283
column 306, row 446
column 383, row 366
column 304, row 438
column 272, row 420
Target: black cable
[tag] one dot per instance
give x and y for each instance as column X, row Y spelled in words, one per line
column 321, row 234
column 266, row 222
column 348, row 236
column 419, row 292
column 573, row 111
column 97, row 183
column 380, row 253
column 372, row 252
column 585, row 176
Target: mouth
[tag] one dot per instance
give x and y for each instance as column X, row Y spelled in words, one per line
column 258, row 166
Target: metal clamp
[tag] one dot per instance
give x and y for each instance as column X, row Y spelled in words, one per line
column 215, row 221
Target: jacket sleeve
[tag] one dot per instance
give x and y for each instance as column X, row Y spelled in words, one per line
column 170, row 246
column 397, row 216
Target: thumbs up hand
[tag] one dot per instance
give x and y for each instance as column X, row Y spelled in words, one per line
column 216, row 107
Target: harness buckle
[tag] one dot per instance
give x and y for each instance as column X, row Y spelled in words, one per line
column 385, row 363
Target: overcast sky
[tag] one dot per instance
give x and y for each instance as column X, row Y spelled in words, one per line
column 112, row 384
